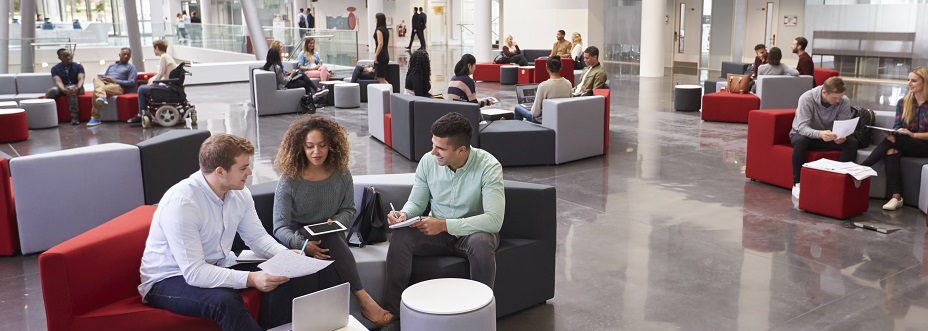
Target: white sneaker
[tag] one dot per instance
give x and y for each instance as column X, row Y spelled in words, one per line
column 796, row 190
column 893, row 204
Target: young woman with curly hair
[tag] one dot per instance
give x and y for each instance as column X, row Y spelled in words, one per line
column 418, row 78
column 316, row 187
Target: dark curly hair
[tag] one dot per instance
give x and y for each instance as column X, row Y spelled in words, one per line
column 419, row 63
column 291, row 157
column 455, row 127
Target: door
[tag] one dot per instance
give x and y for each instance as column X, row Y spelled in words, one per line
column 760, row 27
column 687, row 34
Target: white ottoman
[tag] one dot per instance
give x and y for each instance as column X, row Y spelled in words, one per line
column 8, row 105
column 448, row 304
column 347, row 95
column 41, row 113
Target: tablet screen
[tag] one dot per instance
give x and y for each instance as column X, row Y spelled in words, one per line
column 323, row 228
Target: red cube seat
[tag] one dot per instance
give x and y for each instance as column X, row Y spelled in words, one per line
column 388, row 129
column 821, row 74
column 487, row 72
column 728, row 107
column 9, row 232
column 604, row 92
column 833, row 194
column 770, row 152
column 567, row 70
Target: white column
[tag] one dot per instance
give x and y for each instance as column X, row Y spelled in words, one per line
column 27, row 28
column 253, row 23
column 373, row 7
column 157, row 16
column 53, row 13
column 502, row 32
column 4, row 36
column 652, row 38
column 207, row 10
column 135, row 39
column 483, row 30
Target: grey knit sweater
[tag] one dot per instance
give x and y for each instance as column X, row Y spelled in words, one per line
column 299, row 202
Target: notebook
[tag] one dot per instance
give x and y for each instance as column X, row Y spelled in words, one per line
column 525, row 94
column 878, row 227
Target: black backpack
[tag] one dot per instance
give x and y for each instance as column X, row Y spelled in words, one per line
column 863, row 133
column 371, row 223
column 302, row 21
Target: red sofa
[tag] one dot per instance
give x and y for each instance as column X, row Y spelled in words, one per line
column 821, row 74
column 728, row 107
column 487, row 72
column 770, row 152
column 9, row 232
column 604, row 92
column 90, row 281
column 127, row 104
column 567, row 70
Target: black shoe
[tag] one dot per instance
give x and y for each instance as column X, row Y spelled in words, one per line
column 409, row 47
column 136, row 119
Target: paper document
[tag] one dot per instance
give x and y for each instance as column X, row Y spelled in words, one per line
column 247, row 256
column 290, row 264
column 857, row 171
column 881, row 129
column 405, row 223
column 844, row 128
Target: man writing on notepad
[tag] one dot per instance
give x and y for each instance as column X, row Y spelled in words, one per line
column 816, row 114
column 187, row 259
column 464, row 184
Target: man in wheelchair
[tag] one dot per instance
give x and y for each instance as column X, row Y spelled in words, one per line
column 167, row 65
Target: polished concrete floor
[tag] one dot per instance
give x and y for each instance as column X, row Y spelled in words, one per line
column 662, row 233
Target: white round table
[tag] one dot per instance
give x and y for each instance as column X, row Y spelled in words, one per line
column 8, row 105
column 41, row 113
column 448, row 304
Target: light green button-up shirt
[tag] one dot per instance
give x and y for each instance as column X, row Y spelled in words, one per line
column 470, row 199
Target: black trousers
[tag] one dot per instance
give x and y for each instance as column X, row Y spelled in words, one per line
column 518, row 58
column 412, row 36
column 301, row 81
column 907, row 146
column 802, row 145
column 421, row 36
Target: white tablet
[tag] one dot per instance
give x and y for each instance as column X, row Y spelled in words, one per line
column 405, row 223
column 324, row 227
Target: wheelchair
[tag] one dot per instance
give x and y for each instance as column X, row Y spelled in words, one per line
column 168, row 107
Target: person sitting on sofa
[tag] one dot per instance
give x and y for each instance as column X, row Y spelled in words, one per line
column 418, row 78
column 805, row 66
column 512, row 52
column 290, row 80
column 760, row 58
column 464, row 186
column 187, row 267
column 316, row 187
column 462, row 87
column 69, row 81
column 555, row 87
column 593, row 76
column 166, row 65
column 908, row 140
column 576, row 50
column 120, row 77
column 310, row 63
column 561, row 46
column 816, row 113
column 774, row 67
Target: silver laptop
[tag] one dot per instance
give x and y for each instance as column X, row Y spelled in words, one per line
column 324, row 310
column 525, row 94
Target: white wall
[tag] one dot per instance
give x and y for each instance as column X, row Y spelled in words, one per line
column 339, row 8
column 534, row 24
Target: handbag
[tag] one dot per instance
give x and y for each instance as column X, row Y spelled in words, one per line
column 308, row 104
column 501, row 59
column 738, row 84
column 371, row 225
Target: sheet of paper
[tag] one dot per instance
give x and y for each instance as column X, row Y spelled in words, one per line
column 405, row 223
column 844, row 128
column 857, row 171
column 247, row 256
column 290, row 264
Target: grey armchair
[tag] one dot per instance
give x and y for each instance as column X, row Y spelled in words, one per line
column 577, row 124
column 412, row 119
column 271, row 101
column 777, row 92
column 738, row 68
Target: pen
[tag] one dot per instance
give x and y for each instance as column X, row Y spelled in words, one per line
column 303, row 250
column 394, row 211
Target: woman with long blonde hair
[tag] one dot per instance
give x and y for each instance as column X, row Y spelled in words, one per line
column 576, row 52
column 513, row 53
column 909, row 139
column 310, row 63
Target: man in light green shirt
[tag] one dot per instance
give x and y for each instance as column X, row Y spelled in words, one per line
column 465, row 187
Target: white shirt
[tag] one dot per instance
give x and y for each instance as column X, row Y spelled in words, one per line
column 192, row 232
column 578, row 49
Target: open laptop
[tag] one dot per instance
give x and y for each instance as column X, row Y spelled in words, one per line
column 325, row 310
column 525, row 94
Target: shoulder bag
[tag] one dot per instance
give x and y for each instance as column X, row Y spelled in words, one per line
column 371, row 223
column 738, row 84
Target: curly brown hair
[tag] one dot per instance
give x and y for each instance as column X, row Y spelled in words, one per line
column 291, row 157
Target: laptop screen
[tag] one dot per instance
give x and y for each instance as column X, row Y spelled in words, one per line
column 525, row 93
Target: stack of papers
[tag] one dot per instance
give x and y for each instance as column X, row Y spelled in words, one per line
column 857, row 171
column 290, row 264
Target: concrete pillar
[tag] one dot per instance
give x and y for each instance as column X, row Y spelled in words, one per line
column 373, row 7
column 250, row 11
column 652, row 38
column 502, row 32
column 483, row 30
column 54, row 13
column 157, row 19
column 4, row 36
column 135, row 38
column 207, row 11
column 27, row 23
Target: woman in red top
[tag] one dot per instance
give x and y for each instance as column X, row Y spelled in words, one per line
column 512, row 51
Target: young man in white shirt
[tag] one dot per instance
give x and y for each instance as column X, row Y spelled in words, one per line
column 186, row 264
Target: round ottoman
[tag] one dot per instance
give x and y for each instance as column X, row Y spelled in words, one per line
column 8, row 104
column 687, row 97
column 347, row 95
column 42, row 113
column 330, row 85
column 14, row 126
column 448, row 304
column 508, row 75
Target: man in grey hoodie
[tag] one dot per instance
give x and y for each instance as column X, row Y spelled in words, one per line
column 815, row 115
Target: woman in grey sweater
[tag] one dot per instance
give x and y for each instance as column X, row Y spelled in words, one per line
column 316, row 187
column 774, row 67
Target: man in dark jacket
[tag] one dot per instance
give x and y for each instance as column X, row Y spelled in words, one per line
column 414, row 24
column 420, row 31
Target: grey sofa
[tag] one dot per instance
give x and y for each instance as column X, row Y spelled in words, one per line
column 393, row 77
column 778, row 92
column 271, row 101
column 518, row 143
column 378, row 105
column 572, row 120
column 532, row 54
column 33, row 85
column 169, row 158
column 525, row 258
column 412, row 119
column 8, row 87
column 738, row 68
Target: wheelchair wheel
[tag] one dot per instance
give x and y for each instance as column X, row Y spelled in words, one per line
column 146, row 122
column 167, row 116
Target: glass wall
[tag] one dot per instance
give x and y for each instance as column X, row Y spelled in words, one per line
column 623, row 33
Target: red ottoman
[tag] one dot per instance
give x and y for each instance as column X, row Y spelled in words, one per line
column 9, row 233
column 127, row 106
column 487, row 72
column 821, row 74
column 526, row 75
column 567, row 69
column 13, row 125
column 64, row 108
column 832, row 194
column 728, row 107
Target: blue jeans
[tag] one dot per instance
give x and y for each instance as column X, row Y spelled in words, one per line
column 144, row 93
column 223, row 305
column 520, row 113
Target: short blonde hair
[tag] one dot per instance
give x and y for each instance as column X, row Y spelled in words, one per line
column 221, row 150
column 160, row 44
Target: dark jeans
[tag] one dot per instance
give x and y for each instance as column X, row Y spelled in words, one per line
column 907, row 146
column 343, row 263
column 421, row 35
column 301, row 81
column 54, row 92
column 802, row 145
column 520, row 112
column 144, row 93
column 519, row 59
column 360, row 74
column 478, row 248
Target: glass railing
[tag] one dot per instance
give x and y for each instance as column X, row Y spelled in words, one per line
column 337, row 48
column 41, row 47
